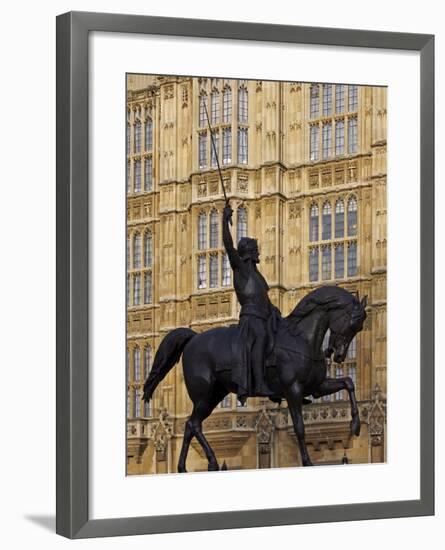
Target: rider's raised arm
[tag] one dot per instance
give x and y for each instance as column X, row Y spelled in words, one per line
column 232, row 253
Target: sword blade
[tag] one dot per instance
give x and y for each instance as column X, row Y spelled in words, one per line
column 216, row 152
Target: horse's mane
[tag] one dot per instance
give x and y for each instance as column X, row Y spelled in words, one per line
column 326, row 297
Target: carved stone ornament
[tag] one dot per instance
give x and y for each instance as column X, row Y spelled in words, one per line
column 264, row 426
column 377, row 418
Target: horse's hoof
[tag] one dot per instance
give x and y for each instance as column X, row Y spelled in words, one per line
column 182, row 470
column 213, row 467
column 355, row 426
column 307, row 463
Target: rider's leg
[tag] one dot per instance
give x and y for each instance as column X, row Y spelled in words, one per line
column 257, row 357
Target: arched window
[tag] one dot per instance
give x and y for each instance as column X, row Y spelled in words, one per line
column 227, row 105
column 326, row 223
column 214, row 225
column 315, row 100
column 137, row 251
column 242, row 105
column 202, row 231
column 127, row 366
column 352, row 216
column 128, row 139
column 137, row 364
column 148, row 134
column 148, row 249
column 148, row 299
column 137, row 136
column 128, row 252
column 313, row 223
column 339, row 219
column 215, row 107
column 241, row 224
column 147, row 361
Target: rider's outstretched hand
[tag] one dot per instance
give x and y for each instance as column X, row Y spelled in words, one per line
column 227, row 213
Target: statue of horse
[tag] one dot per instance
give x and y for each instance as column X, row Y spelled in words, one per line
column 299, row 371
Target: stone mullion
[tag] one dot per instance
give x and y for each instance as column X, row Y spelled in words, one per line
column 286, row 116
column 305, row 124
column 259, row 125
column 175, row 161
column 251, row 157
column 156, row 121
column 234, row 121
column 304, row 238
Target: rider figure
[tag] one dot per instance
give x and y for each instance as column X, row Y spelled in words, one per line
column 252, row 292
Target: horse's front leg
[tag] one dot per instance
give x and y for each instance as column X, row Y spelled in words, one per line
column 333, row 385
column 294, row 396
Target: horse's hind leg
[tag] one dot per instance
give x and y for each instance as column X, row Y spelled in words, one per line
column 294, row 397
column 201, row 410
column 333, row 385
column 188, row 436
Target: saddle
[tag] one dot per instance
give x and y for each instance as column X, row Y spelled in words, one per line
column 235, row 356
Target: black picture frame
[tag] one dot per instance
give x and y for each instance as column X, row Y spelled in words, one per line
column 72, row 273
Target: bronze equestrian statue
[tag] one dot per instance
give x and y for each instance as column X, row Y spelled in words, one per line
column 221, row 360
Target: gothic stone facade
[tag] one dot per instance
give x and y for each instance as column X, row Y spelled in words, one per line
column 304, row 166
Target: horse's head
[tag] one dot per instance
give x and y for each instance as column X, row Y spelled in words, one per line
column 344, row 324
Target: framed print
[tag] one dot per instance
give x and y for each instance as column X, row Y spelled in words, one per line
column 239, row 295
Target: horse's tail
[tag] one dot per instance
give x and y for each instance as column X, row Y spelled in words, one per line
column 168, row 354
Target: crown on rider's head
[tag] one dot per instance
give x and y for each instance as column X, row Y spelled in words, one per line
column 247, row 245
